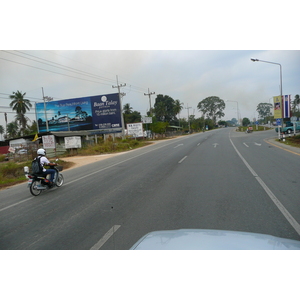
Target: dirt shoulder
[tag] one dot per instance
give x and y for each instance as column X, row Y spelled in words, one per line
column 79, row 161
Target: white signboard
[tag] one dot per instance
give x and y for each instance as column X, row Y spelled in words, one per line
column 11, row 149
column 135, row 129
column 72, row 142
column 147, row 120
column 48, row 142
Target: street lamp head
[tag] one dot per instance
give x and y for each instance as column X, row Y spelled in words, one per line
column 254, row 59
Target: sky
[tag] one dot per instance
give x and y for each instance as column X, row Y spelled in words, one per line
column 178, row 59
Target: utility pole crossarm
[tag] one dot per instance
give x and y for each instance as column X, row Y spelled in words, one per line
column 118, row 86
column 149, row 94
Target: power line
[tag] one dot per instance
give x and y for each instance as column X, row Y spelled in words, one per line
column 63, row 67
column 133, row 86
column 53, row 71
column 149, row 94
column 66, row 68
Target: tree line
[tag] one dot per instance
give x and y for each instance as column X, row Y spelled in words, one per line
column 165, row 113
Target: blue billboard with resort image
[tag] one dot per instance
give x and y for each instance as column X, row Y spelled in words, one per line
column 86, row 113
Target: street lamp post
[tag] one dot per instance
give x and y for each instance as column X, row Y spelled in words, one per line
column 274, row 63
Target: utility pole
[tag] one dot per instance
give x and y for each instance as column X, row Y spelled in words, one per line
column 120, row 100
column 189, row 117
column 48, row 99
column 149, row 94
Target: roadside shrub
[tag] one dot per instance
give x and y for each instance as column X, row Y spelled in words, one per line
column 12, row 170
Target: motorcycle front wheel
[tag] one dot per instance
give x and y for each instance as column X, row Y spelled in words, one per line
column 60, row 180
column 34, row 188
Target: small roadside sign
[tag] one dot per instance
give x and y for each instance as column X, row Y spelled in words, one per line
column 48, row 141
column 146, row 120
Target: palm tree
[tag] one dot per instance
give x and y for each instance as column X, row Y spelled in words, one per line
column 21, row 106
column 127, row 109
column 178, row 108
column 12, row 129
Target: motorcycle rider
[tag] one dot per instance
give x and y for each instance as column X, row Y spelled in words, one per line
column 45, row 162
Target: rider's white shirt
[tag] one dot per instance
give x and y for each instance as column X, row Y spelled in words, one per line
column 43, row 161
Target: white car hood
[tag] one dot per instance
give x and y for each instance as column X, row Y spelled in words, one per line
column 207, row 239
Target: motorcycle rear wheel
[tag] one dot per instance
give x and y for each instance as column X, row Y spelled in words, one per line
column 60, row 180
column 33, row 188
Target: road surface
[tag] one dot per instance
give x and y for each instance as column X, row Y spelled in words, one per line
column 219, row 179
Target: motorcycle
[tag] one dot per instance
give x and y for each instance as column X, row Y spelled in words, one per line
column 37, row 183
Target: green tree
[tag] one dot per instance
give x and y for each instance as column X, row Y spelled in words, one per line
column 234, row 121
column 165, row 108
column 127, row 109
column 212, row 107
column 209, row 123
column 12, row 129
column 1, row 130
column 21, row 106
column 197, row 124
column 245, row 122
column 264, row 110
column 296, row 103
column 159, row 127
column 133, row 117
column 222, row 123
column 177, row 109
column 33, row 128
column 178, row 106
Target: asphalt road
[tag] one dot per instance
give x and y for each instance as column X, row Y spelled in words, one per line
column 219, row 179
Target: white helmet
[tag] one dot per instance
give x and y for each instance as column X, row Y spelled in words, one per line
column 41, row 152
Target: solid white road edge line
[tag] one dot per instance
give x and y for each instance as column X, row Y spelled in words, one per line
column 12, row 205
column 106, row 237
column 279, row 205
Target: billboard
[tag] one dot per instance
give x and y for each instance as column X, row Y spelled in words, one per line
column 282, row 107
column 86, row 113
column 277, row 107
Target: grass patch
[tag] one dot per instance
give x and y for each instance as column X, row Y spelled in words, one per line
column 293, row 141
column 259, row 128
column 12, row 173
column 110, row 146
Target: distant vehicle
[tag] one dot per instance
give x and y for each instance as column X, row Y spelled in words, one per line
column 289, row 128
column 209, row 239
column 22, row 151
